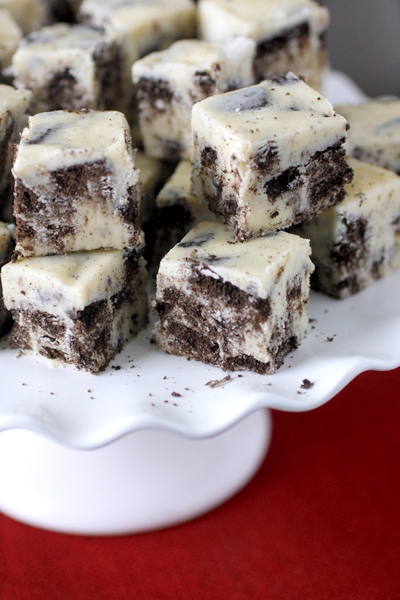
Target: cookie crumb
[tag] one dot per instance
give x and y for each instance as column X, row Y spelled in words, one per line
column 219, row 382
column 307, row 384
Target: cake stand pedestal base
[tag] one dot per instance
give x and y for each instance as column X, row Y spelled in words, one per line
column 144, row 481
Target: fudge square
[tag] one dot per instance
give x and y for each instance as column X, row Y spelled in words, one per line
column 290, row 35
column 76, row 185
column 169, row 82
column 268, row 156
column 357, row 241
column 374, row 134
column 69, row 67
column 237, row 306
column 80, row 308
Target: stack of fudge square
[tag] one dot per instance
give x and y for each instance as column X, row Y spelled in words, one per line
column 248, row 183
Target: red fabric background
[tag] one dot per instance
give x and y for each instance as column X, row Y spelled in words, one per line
column 321, row 520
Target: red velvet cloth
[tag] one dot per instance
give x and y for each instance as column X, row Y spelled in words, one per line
column 319, row 521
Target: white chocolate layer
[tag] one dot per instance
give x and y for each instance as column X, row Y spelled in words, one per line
column 253, row 266
column 60, row 284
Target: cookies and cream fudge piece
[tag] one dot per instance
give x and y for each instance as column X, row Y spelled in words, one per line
column 6, row 248
column 69, row 67
column 237, row 306
column 14, row 106
column 147, row 24
column 10, row 37
column 177, row 210
column 76, row 184
column 267, row 156
column 169, row 82
column 80, row 308
column 357, row 241
column 290, row 34
column 374, row 134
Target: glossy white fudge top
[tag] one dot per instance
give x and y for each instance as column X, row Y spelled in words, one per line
column 374, row 131
column 60, row 139
column 253, row 266
column 258, row 19
column 10, row 36
column 58, row 284
column 285, row 112
column 29, row 14
column 16, row 102
column 184, row 58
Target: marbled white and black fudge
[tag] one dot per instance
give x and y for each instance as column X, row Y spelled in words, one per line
column 14, row 106
column 169, row 82
column 374, row 134
column 177, row 211
column 290, row 34
column 357, row 241
column 237, row 306
column 268, row 156
column 6, row 248
column 10, row 37
column 70, row 67
column 76, row 184
column 79, row 308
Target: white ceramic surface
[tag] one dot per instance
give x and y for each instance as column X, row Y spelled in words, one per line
column 143, row 481
column 139, row 475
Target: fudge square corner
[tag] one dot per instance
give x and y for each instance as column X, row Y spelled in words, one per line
column 269, row 155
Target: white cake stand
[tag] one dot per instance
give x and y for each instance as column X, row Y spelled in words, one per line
column 156, row 440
